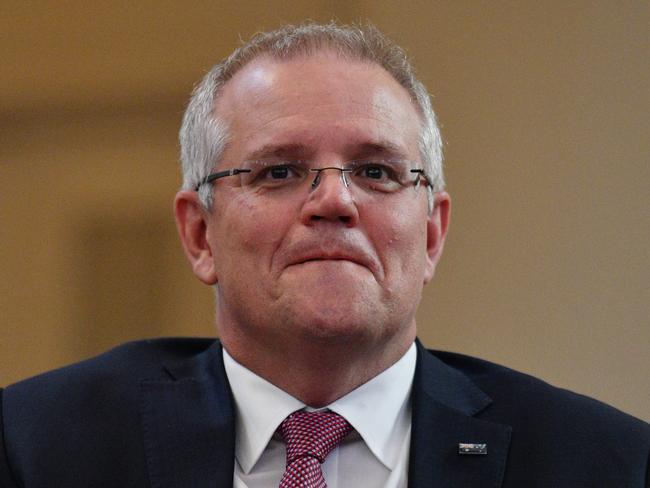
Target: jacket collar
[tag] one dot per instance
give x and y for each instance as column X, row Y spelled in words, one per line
column 189, row 426
column 445, row 403
column 188, row 423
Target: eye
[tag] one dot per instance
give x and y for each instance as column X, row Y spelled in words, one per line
column 377, row 176
column 282, row 171
column 375, row 171
column 276, row 174
column 279, row 172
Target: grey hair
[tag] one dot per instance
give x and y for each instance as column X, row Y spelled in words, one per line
column 203, row 136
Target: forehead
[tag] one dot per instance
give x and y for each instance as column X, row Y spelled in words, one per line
column 320, row 101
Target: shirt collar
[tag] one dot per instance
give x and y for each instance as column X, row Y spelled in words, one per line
column 379, row 410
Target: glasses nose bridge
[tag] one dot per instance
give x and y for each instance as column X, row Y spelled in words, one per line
column 319, row 171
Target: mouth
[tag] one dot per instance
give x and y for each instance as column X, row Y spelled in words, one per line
column 331, row 252
column 332, row 256
column 321, row 258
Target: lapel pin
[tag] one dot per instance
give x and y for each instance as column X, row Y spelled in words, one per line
column 472, row 449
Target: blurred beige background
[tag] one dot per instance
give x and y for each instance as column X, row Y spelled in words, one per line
column 544, row 113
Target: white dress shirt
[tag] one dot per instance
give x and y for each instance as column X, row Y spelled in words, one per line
column 375, row 454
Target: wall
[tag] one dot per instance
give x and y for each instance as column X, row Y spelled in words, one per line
column 543, row 112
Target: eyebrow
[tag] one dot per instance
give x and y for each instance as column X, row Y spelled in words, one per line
column 293, row 150
column 382, row 148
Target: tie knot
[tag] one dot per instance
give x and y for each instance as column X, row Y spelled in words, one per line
column 313, row 434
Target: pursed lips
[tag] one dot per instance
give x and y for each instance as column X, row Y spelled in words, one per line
column 335, row 257
column 315, row 256
column 340, row 248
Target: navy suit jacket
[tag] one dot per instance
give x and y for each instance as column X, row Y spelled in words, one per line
column 159, row 413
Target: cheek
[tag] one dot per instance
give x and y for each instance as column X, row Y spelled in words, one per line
column 401, row 245
column 251, row 232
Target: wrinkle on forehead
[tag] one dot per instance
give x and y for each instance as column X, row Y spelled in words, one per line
column 288, row 96
column 261, row 74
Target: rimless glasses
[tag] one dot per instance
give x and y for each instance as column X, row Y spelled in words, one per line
column 374, row 177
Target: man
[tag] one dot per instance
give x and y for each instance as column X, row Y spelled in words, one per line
column 313, row 202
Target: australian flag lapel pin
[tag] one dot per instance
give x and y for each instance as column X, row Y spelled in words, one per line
column 470, row 449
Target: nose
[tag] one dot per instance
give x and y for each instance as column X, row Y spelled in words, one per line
column 330, row 199
column 318, row 171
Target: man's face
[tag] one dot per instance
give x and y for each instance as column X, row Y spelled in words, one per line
column 327, row 264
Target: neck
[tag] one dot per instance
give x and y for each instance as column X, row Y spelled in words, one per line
column 318, row 372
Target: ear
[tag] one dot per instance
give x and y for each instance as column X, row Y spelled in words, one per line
column 437, row 225
column 191, row 222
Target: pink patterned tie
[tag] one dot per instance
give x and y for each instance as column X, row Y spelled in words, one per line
column 310, row 437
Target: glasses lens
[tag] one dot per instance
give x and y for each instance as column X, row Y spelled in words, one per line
column 381, row 176
column 273, row 174
column 374, row 177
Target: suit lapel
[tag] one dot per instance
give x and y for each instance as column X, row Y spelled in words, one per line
column 188, row 424
column 189, row 427
column 444, row 405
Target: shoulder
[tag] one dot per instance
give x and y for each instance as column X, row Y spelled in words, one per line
column 523, row 396
column 60, row 415
column 104, row 387
column 556, row 427
column 558, row 436
column 126, row 363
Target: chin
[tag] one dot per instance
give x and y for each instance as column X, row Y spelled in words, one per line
column 339, row 321
column 350, row 308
